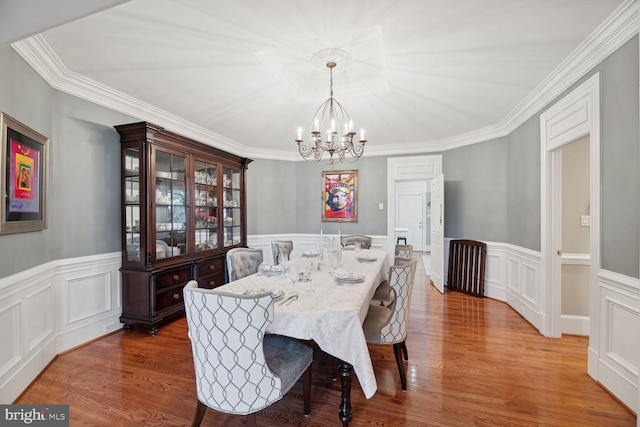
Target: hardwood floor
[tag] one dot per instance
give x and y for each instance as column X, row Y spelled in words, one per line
column 472, row 362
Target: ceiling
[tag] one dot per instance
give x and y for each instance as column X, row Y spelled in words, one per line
column 419, row 75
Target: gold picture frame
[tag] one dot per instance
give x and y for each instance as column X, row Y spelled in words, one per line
column 25, row 159
column 340, row 196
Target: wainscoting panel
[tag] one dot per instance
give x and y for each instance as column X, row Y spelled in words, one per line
column 38, row 309
column 619, row 335
column 10, row 353
column 52, row 308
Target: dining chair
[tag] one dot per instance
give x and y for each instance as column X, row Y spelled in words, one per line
column 388, row 325
column 404, row 251
column 384, row 293
column 240, row 369
column 350, row 240
column 242, row 262
column 281, row 247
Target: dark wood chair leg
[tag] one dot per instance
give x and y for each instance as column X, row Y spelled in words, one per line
column 306, row 390
column 251, row 419
column 404, row 351
column 397, row 350
column 334, row 368
column 200, row 410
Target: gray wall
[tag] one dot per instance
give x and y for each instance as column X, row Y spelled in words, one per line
column 620, row 163
column 84, row 170
column 492, row 190
column 475, row 190
column 272, row 186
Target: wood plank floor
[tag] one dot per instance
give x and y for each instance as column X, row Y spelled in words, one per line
column 472, row 362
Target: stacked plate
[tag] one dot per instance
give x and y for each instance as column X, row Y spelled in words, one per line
column 365, row 258
column 271, row 270
column 343, row 277
column 310, row 254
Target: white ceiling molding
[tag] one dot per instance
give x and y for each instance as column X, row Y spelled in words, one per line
column 37, row 53
column 621, row 26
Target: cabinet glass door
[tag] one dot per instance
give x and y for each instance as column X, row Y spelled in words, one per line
column 232, row 208
column 206, row 206
column 132, row 204
column 170, row 203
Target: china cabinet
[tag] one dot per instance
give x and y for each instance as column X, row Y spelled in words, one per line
column 183, row 208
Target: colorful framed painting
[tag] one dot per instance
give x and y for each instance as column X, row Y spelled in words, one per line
column 340, row 196
column 23, row 178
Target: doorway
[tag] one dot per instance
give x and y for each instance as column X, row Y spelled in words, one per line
column 412, row 199
column 574, row 180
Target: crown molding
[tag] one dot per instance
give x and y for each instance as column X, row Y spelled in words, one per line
column 39, row 55
column 616, row 30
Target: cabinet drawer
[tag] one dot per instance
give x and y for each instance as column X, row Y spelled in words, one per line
column 172, row 278
column 211, row 281
column 168, row 298
column 211, row 266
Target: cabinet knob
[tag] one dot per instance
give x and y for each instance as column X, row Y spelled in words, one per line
column 175, row 277
column 212, row 283
column 176, row 296
column 212, row 267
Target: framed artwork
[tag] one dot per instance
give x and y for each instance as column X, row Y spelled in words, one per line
column 340, row 196
column 23, row 178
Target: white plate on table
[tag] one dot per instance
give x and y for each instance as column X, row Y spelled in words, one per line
column 310, row 254
column 272, row 270
column 366, row 258
column 351, row 280
column 345, row 277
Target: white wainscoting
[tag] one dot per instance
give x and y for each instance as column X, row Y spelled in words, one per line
column 52, row 308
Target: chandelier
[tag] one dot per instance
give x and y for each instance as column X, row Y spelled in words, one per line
column 332, row 135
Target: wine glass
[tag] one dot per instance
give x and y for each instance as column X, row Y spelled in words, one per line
column 283, row 261
column 292, row 273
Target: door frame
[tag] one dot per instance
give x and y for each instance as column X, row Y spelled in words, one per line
column 573, row 117
column 405, row 169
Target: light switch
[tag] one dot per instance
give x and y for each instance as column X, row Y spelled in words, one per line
column 381, row 206
column 585, row 221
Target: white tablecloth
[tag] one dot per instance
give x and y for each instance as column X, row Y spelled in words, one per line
column 326, row 312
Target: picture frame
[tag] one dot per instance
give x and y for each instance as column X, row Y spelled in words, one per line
column 340, row 196
column 23, row 177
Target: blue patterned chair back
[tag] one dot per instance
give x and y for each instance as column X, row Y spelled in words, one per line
column 226, row 333
column 242, row 262
column 284, row 247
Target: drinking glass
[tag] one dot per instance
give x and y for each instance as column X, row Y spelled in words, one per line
column 292, row 273
column 283, row 261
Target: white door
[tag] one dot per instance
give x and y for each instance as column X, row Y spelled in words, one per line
column 410, row 215
column 437, row 232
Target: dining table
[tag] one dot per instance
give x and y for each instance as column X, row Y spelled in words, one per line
column 328, row 306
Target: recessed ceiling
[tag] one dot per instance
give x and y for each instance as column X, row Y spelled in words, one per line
column 419, row 72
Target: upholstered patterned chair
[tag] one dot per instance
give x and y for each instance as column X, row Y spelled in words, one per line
column 404, row 251
column 284, row 247
column 365, row 241
column 239, row 369
column 388, row 325
column 384, row 294
column 242, row 262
